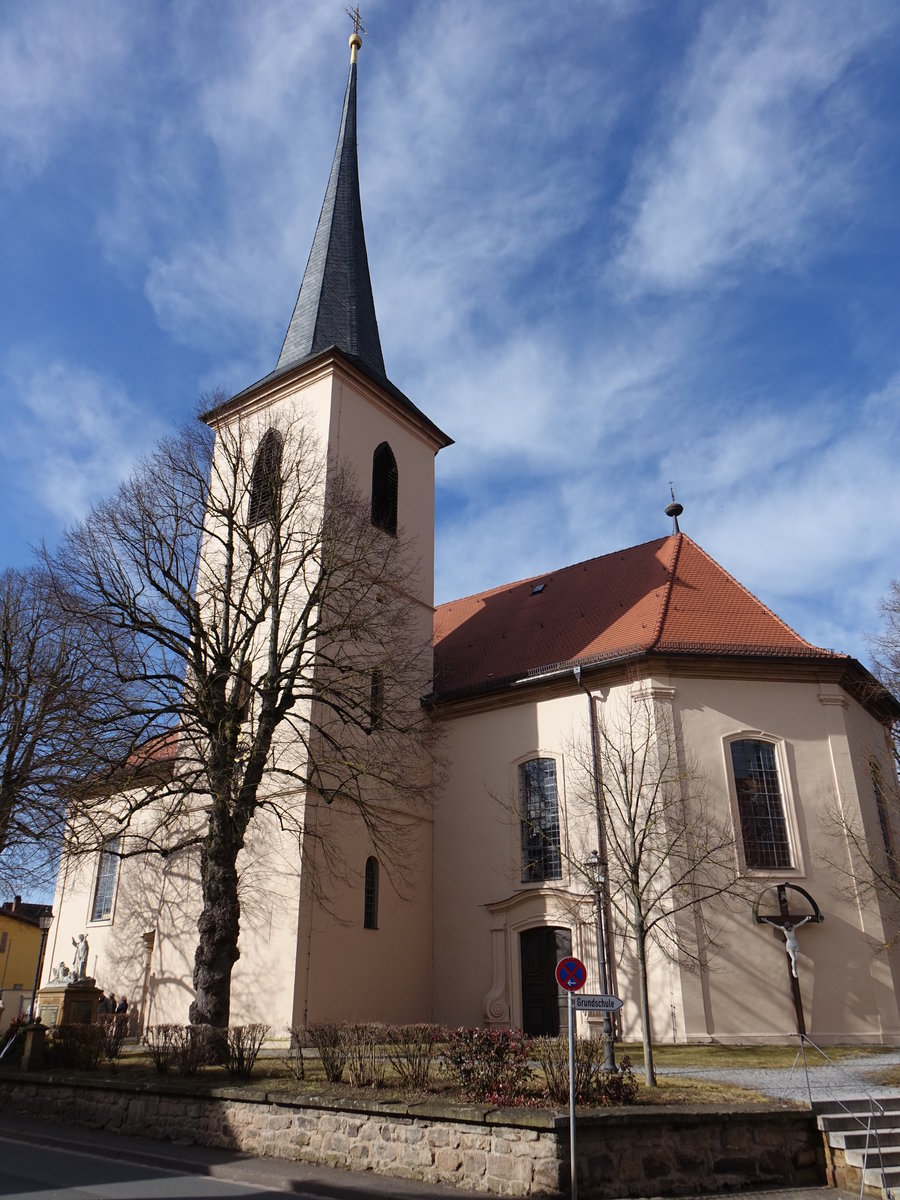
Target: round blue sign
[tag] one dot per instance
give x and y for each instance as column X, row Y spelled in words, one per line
column 571, row 974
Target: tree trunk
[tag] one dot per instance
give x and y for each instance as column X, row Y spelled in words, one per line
column 641, row 946
column 218, row 927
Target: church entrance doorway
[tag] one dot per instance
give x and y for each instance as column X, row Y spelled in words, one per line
column 542, row 1002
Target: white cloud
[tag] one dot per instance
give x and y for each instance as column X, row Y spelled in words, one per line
column 759, row 158
column 56, row 62
column 72, row 435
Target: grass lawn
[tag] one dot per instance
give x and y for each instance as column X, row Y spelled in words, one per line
column 272, row 1074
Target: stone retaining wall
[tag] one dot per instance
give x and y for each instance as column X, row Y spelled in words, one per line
column 621, row 1152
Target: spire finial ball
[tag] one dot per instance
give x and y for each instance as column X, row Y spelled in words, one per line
column 355, row 44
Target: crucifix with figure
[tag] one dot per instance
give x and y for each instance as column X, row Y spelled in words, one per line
column 787, row 922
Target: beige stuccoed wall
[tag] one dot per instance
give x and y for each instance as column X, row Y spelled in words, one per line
column 481, row 906
column 845, row 981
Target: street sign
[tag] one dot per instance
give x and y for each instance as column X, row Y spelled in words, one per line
column 597, row 1003
column 571, row 974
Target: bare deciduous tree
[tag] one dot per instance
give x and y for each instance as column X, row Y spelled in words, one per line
column 276, row 637
column 53, row 721
column 665, row 854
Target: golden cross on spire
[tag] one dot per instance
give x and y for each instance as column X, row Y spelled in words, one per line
column 358, row 27
column 353, row 14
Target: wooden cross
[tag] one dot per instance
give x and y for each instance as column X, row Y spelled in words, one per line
column 786, row 923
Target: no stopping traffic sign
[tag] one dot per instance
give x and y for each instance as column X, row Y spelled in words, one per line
column 571, row 974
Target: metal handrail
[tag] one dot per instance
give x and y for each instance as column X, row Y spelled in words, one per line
column 876, row 1108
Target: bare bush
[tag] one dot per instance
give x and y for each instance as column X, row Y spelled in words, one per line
column 112, row 1033
column 365, row 1066
column 294, row 1058
column 243, row 1044
column 593, row 1084
column 163, row 1041
column 411, row 1050
column 327, row 1038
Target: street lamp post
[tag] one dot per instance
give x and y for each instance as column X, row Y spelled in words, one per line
column 598, row 879
column 45, row 921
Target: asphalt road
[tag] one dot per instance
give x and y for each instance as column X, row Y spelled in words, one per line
column 46, row 1160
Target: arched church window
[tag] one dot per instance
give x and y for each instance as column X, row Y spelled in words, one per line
column 539, row 813
column 266, row 478
column 370, row 902
column 384, row 489
column 764, row 828
column 242, row 692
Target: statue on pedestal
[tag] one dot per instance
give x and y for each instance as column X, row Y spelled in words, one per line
column 79, row 966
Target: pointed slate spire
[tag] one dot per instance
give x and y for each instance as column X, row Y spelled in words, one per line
column 335, row 306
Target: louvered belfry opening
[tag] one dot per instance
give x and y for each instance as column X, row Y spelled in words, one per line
column 266, row 479
column 384, row 489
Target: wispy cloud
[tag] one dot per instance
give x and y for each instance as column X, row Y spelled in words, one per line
column 55, row 67
column 758, row 160
column 72, row 436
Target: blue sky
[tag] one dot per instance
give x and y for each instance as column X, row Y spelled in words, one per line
column 612, row 244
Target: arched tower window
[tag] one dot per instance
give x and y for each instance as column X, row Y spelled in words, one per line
column 376, row 699
column 266, row 478
column 370, row 902
column 384, row 489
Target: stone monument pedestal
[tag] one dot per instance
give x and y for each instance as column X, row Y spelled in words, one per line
column 35, row 1047
column 73, row 1003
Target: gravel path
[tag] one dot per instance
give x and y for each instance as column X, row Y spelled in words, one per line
column 838, row 1081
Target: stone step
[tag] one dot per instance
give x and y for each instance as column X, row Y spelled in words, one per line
column 856, row 1139
column 887, row 1158
column 856, row 1104
column 845, row 1121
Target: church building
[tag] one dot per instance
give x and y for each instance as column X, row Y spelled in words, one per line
column 785, row 743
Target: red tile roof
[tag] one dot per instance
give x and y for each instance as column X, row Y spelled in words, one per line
column 665, row 596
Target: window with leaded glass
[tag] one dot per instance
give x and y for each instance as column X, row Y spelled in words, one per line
column 764, row 830
column 105, row 887
column 370, row 900
column 539, row 808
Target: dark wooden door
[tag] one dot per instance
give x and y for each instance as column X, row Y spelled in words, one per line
column 542, row 998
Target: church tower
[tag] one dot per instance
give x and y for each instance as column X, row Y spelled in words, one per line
column 330, row 378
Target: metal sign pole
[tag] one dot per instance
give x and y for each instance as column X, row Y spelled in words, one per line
column 574, row 1162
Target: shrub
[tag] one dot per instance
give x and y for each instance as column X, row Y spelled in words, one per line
column 411, row 1049
column 489, row 1065
column 112, row 1034
column 162, row 1041
column 360, row 1046
column 326, row 1037
column 294, row 1059
column 196, row 1046
column 242, row 1046
column 77, row 1046
column 593, row 1085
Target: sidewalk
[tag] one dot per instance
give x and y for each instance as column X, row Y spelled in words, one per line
column 324, row 1183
